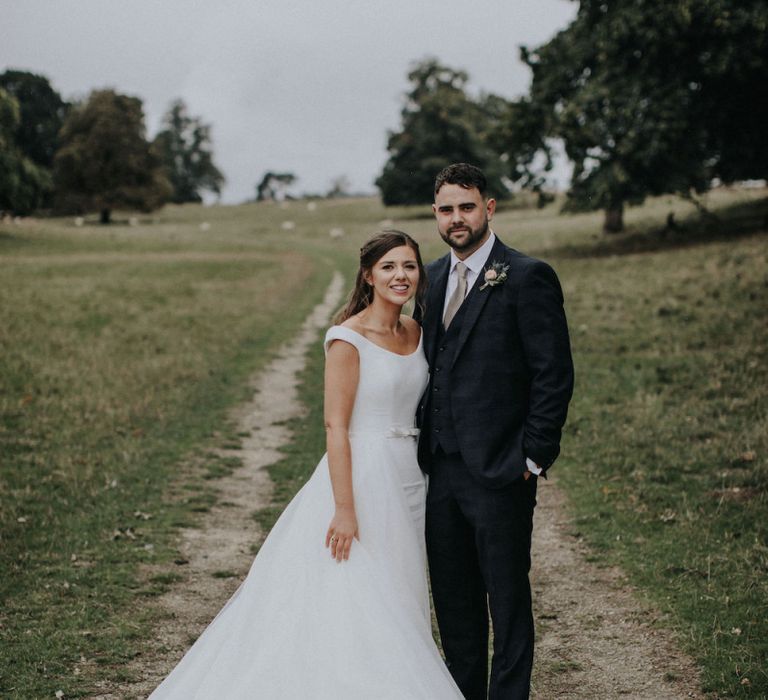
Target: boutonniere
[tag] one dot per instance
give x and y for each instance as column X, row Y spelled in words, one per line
column 495, row 274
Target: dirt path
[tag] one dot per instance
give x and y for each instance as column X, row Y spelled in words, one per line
column 217, row 554
column 595, row 639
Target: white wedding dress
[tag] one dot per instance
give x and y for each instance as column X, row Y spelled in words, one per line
column 302, row 626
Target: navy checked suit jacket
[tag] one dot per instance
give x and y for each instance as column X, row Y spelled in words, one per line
column 511, row 376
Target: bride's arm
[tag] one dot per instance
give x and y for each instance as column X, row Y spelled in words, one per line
column 342, row 370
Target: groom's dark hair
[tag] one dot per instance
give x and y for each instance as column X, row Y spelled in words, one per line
column 464, row 175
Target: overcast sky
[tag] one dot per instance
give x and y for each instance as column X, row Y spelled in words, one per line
column 309, row 87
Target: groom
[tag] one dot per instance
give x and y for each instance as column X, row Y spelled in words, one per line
column 501, row 377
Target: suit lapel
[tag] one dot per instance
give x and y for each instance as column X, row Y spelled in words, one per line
column 476, row 299
column 435, row 302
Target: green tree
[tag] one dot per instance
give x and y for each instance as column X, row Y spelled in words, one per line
column 29, row 145
column 731, row 67
column 273, row 186
column 184, row 145
column 105, row 160
column 23, row 184
column 648, row 98
column 339, row 187
column 441, row 125
column 42, row 113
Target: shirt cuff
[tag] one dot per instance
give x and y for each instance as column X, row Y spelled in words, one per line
column 532, row 466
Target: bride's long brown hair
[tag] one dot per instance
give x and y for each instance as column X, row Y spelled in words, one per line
column 374, row 250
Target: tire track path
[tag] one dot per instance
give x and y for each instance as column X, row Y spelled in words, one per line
column 595, row 639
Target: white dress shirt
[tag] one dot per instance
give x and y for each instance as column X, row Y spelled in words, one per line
column 476, row 263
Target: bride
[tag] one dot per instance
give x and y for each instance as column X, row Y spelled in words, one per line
column 336, row 604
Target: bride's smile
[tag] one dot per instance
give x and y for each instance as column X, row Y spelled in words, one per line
column 396, row 276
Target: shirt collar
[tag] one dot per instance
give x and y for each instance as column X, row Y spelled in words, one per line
column 476, row 261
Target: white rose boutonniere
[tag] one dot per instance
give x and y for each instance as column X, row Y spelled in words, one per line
column 494, row 275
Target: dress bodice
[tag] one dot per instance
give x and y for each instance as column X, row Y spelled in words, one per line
column 389, row 386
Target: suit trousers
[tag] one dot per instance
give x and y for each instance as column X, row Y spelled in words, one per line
column 479, row 550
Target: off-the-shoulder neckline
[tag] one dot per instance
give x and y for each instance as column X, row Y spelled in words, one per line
column 381, row 347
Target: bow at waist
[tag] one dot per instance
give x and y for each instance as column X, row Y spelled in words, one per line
column 398, row 432
column 395, row 431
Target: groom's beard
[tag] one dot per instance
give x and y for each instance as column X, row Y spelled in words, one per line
column 472, row 239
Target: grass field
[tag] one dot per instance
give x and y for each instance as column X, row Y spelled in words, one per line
column 123, row 348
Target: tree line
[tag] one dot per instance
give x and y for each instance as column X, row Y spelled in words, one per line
column 647, row 98
column 95, row 155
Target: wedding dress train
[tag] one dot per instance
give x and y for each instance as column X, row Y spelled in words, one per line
column 302, row 625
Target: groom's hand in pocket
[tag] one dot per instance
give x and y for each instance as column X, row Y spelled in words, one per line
column 532, row 469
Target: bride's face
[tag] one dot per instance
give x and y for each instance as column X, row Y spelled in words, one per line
column 395, row 276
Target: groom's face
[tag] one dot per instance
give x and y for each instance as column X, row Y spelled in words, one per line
column 462, row 217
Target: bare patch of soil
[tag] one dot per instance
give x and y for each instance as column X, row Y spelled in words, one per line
column 216, row 555
column 596, row 639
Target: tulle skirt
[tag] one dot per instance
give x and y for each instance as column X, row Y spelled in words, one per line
column 302, row 625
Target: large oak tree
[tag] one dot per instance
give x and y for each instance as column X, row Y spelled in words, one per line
column 105, row 160
column 41, row 111
column 29, row 140
column 441, row 124
column 23, row 183
column 648, row 98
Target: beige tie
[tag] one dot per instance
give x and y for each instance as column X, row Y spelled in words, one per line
column 458, row 295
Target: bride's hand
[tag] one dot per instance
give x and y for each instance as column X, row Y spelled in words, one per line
column 341, row 532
